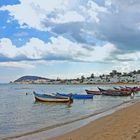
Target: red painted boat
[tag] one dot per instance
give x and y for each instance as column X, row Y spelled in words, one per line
column 111, row 92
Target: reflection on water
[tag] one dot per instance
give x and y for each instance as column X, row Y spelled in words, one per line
column 20, row 113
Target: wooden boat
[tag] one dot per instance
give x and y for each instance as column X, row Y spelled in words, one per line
column 117, row 93
column 52, row 98
column 126, row 88
column 93, row 92
column 132, row 89
column 77, row 96
column 111, row 92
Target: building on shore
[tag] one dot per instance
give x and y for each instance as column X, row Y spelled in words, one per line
column 113, row 77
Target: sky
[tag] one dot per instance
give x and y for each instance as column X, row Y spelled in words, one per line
column 68, row 38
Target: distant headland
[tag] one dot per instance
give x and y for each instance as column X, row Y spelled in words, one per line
column 112, row 77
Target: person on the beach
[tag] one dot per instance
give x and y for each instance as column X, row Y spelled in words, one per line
column 132, row 95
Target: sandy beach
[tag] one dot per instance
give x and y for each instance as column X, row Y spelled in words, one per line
column 121, row 125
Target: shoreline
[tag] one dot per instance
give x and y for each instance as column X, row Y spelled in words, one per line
column 122, row 124
column 120, row 83
column 70, row 126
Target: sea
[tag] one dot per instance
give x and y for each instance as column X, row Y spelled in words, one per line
column 19, row 113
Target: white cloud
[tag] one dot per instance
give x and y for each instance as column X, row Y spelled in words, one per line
column 135, row 56
column 104, row 22
column 24, row 17
column 108, row 2
column 70, row 16
column 34, row 13
column 34, row 49
column 22, row 65
column 7, row 48
column 59, row 49
column 101, row 53
column 92, row 11
column 83, row 21
column 126, row 66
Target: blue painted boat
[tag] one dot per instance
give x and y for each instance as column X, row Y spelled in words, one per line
column 77, row 96
column 52, row 98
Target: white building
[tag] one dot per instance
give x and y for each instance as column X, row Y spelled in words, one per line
column 137, row 77
column 114, row 79
column 126, row 79
column 93, row 80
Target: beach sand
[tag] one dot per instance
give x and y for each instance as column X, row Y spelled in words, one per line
column 121, row 125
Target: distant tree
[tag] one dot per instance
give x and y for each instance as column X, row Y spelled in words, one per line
column 119, row 73
column 100, row 76
column 130, row 74
column 88, row 77
column 58, row 79
column 125, row 74
column 82, row 79
column 114, row 72
column 77, row 79
column 138, row 71
column 92, row 75
column 111, row 74
column 103, row 75
column 134, row 72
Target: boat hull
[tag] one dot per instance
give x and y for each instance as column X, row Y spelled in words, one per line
column 50, row 98
column 93, row 92
column 77, row 96
column 111, row 92
column 116, row 94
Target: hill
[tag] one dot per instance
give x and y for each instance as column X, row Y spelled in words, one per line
column 29, row 78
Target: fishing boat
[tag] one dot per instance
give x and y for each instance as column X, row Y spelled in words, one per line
column 77, row 96
column 117, row 93
column 52, row 98
column 132, row 89
column 93, row 92
column 111, row 92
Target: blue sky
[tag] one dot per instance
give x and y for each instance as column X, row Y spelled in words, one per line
column 68, row 39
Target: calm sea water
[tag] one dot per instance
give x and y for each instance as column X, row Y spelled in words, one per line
column 19, row 113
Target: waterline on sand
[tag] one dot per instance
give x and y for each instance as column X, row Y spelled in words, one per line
column 60, row 129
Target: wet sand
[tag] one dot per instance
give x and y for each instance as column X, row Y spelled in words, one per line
column 121, row 125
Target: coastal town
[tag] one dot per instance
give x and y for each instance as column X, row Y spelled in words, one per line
column 113, row 77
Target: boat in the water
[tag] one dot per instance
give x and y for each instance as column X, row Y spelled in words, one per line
column 76, row 96
column 126, row 88
column 93, row 92
column 111, row 92
column 52, row 98
column 133, row 89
